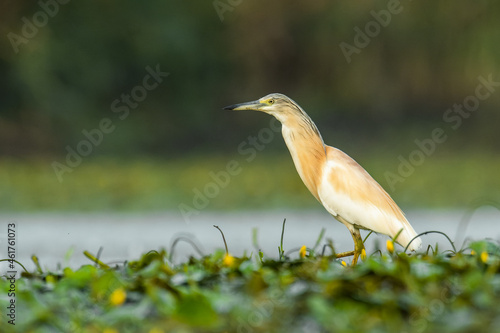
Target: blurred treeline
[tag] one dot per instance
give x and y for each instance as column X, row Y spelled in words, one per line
column 65, row 78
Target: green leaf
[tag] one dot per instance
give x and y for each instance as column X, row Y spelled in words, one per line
column 195, row 309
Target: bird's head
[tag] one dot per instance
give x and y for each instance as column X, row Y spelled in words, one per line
column 277, row 105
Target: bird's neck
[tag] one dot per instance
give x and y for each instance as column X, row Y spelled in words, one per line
column 307, row 149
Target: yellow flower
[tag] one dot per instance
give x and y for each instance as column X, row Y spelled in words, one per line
column 302, row 251
column 390, row 246
column 363, row 255
column 118, row 297
column 484, row 256
column 228, row 260
column 51, row 279
column 343, row 263
column 473, row 253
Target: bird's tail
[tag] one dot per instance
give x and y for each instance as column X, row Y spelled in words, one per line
column 408, row 235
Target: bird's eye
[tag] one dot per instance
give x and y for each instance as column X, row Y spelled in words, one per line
column 270, row 102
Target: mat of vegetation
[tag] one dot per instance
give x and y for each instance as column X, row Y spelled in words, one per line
column 312, row 291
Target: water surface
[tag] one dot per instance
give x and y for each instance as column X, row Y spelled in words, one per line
column 127, row 236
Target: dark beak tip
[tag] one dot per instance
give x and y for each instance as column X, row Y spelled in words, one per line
column 230, row 107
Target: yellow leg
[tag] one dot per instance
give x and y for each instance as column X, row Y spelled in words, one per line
column 358, row 241
column 358, row 245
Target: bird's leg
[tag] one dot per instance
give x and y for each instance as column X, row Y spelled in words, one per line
column 358, row 241
column 344, row 254
column 358, row 245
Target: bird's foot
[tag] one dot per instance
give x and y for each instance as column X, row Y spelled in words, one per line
column 344, row 254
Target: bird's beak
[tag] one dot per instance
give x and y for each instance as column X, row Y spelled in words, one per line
column 254, row 105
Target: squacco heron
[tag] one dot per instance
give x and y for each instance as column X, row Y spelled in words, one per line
column 340, row 184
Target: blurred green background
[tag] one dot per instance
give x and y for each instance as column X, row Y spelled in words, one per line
column 67, row 66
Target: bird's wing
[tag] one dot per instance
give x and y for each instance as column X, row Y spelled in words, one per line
column 348, row 191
